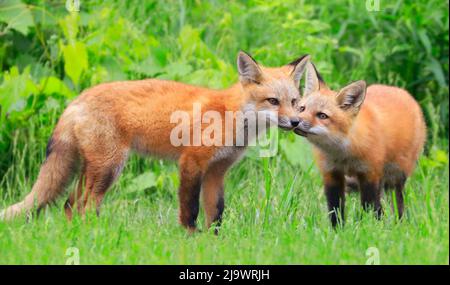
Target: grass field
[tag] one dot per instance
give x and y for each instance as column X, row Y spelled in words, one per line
column 275, row 207
column 276, row 213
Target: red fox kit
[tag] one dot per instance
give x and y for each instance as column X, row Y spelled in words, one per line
column 375, row 135
column 98, row 130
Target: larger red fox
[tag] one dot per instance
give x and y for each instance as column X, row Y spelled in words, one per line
column 99, row 129
column 375, row 135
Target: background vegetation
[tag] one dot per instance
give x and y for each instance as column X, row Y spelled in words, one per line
column 276, row 209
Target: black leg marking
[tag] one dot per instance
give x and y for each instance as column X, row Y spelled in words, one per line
column 218, row 218
column 189, row 193
column 399, row 187
column 102, row 185
column 371, row 196
column 335, row 194
column 105, row 181
column 194, row 203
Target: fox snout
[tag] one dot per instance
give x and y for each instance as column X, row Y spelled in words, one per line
column 303, row 128
column 288, row 123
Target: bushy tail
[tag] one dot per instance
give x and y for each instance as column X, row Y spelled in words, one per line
column 54, row 175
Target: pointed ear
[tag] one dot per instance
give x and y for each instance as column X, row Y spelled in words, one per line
column 351, row 97
column 312, row 80
column 299, row 66
column 249, row 71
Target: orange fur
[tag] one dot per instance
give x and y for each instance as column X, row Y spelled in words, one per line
column 375, row 135
column 106, row 122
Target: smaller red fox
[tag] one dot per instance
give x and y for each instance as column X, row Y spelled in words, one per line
column 374, row 135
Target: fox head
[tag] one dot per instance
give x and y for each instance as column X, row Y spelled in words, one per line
column 272, row 91
column 326, row 116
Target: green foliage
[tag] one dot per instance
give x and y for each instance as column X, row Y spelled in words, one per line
column 16, row 15
column 403, row 44
column 48, row 56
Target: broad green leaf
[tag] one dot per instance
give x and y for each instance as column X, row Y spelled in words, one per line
column 16, row 87
column 52, row 85
column 141, row 182
column 75, row 60
column 69, row 26
column 16, row 15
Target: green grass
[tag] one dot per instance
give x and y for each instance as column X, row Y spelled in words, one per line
column 275, row 208
column 138, row 223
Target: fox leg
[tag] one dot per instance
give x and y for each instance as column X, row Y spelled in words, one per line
column 189, row 191
column 99, row 178
column 399, row 188
column 371, row 193
column 213, row 193
column 101, row 166
column 335, row 194
column 214, row 204
column 80, row 197
column 75, row 196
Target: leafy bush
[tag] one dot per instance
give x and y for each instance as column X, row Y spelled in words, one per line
column 48, row 55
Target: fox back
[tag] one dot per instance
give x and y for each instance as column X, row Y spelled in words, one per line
column 389, row 128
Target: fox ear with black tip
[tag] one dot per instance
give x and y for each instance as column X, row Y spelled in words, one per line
column 248, row 68
column 312, row 82
column 299, row 68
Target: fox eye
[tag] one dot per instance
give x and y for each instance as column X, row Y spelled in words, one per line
column 322, row 116
column 302, row 108
column 273, row 101
column 294, row 102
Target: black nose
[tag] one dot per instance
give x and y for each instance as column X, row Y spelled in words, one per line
column 295, row 122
